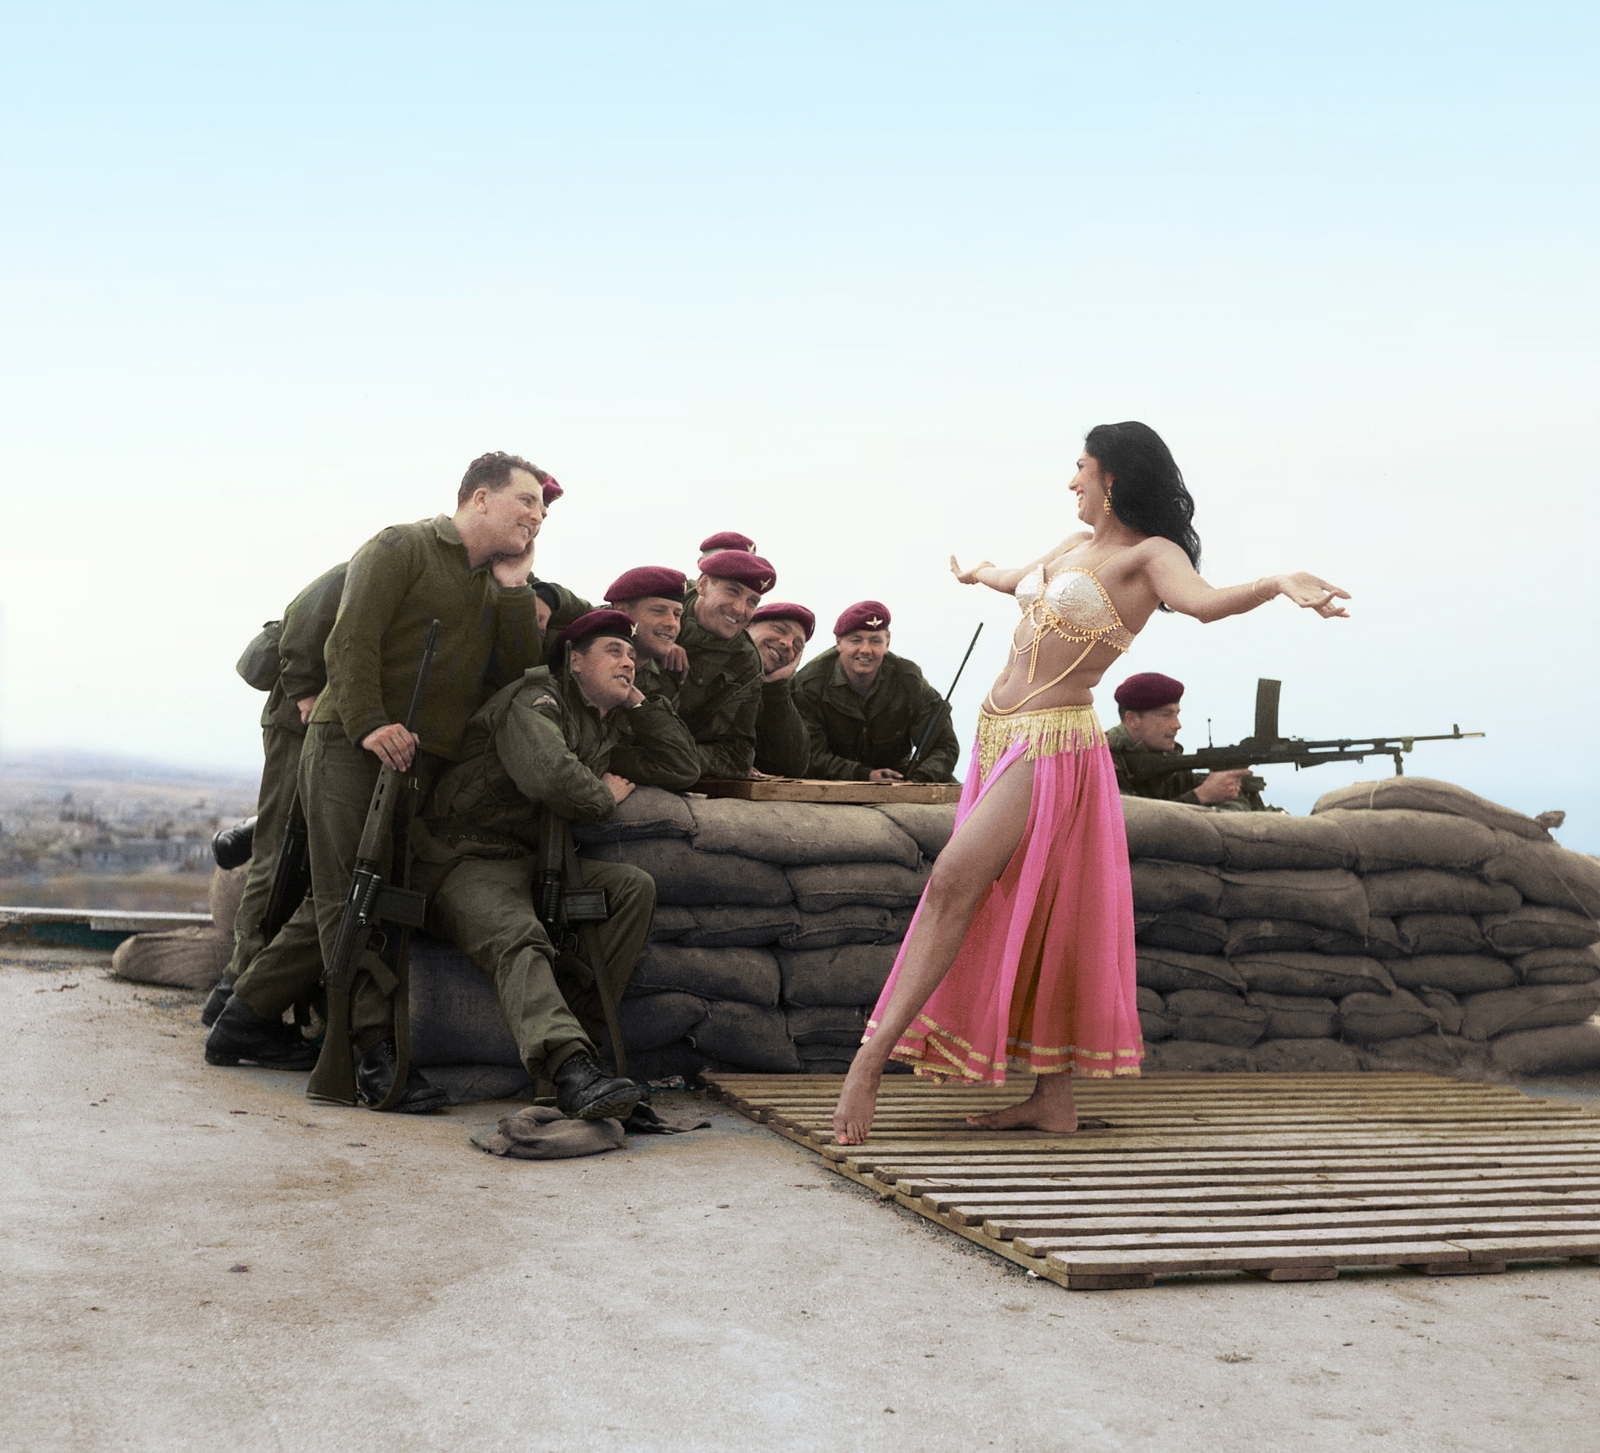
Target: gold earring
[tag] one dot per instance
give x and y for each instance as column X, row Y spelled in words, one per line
column 1108, row 504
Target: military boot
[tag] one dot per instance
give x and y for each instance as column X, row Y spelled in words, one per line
column 375, row 1076
column 584, row 1091
column 242, row 1035
column 216, row 1001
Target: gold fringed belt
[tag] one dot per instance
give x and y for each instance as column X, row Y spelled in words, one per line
column 1047, row 733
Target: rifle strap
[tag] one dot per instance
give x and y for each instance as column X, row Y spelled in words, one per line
column 400, row 994
column 589, row 936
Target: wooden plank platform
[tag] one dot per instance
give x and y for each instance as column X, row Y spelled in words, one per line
column 1286, row 1177
column 816, row 789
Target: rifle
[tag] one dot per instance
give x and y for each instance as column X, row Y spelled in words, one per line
column 1267, row 746
column 368, row 900
column 937, row 716
column 291, row 875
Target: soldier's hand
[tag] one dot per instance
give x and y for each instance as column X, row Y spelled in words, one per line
column 884, row 774
column 511, row 571
column 675, row 662
column 635, row 696
column 394, row 745
column 304, row 706
column 620, row 786
column 1222, row 786
column 783, row 673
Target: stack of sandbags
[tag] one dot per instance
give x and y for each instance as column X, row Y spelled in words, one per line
column 1404, row 924
column 186, row 958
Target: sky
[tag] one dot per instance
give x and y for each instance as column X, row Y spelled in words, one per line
column 853, row 279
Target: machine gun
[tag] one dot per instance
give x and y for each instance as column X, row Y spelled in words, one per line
column 1267, row 746
column 369, row 900
column 940, row 713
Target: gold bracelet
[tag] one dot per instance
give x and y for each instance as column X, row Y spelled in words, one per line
column 1255, row 589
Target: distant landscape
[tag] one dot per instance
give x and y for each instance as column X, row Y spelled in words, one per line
column 80, row 830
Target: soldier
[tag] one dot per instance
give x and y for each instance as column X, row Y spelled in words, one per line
column 780, row 632
column 725, row 540
column 545, row 745
column 651, row 596
column 1148, row 705
column 470, row 572
column 866, row 708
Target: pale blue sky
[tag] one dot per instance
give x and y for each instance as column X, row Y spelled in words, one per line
column 853, row 279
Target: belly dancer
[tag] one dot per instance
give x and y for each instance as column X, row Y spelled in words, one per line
column 1021, row 952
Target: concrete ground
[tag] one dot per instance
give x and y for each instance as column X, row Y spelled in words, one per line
column 201, row 1258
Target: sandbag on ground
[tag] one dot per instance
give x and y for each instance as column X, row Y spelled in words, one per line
column 654, row 1021
column 740, row 926
column 692, row 879
column 1431, row 1054
column 1565, row 1049
column 1197, row 1056
column 1296, row 1016
column 1160, row 886
column 670, row 921
column 223, row 894
column 1559, row 965
column 1533, row 926
column 1306, row 1057
column 1173, row 831
column 839, row 1027
column 749, row 975
column 1269, row 935
column 1314, row 976
column 849, row 974
column 1459, row 973
column 1439, row 933
column 1252, row 840
column 1385, row 841
column 1215, row 1017
column 1167, row 970
column 465, row 1084
column 1546, row 873
column 1433, row 890
column 1428, row 794
column 928, row 824
column 1328, row 897
column 678, row 1058
column 883, row 885
column 795, row 833
column 1182, row 928
column 646, row 812
column 749, row 1036
column 1154, row 1021
column 853, row 923
column 1367, row 1018
column 1532, row 1006
column 1446, row 1006
column 455, row 1019
column 181, row 958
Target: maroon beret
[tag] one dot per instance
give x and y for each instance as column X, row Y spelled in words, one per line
column 552, row 490
column 589, row 625
column 864, row 615
column 751, row 571
column 1148, row 690
column 726, row 540
column 658, row 580
column 783, row 610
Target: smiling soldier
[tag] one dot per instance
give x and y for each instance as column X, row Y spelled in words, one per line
column 780, row 631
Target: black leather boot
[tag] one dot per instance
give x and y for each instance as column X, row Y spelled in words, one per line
column 584, row 1091
column 375, row 1075
column 213, row 1006
column 240, row 1035
column 232, row 846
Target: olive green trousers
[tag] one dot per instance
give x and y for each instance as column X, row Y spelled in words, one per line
column 279, row 777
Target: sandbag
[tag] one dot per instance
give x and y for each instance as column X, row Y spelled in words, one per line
column 691, row 879
column 1535, row 926
column 467, row 1084
column 1306, row 1057
column 850, row 974
column 1217, row 1018
column 793, row 833
column 1531, row 1006
column 1380, row 939
column 182, row 958
column 646, row 812
column 1167, row 970
column 1160, row 886
column 850, row 923
column 454, row 1016
column 1367, row 1018
column 541, row 1132
column 670, row 921
column 1428, row 794
column 822, row 1059
column 1546, row 873
column 1182, row 928
column 677, row 1059
column 1294, row 1016
column 1430, row 1053
column 839, row 1026
column 1432, row 890
column 1252, row 840
column 1563, row 1049
column 1439, row 933
column 1270, row 935
column 226, row 889
column 1459, row 973
column 748, row 975
column 1314, row 976
column 1172, row 831
column 1154, row 1021
column 1197, row 1056
column 1559, row 965
column 1385, row 841
column 928, row 824
column 653, row 1021
column 886, row 885
column 748, row 1036
column 1446, row 1006
column 747, row 926
column 1328, row 897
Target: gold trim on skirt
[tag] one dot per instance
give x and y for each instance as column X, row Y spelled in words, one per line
column 1047, row 733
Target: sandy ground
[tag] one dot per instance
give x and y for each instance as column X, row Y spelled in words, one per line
column 200, row 1258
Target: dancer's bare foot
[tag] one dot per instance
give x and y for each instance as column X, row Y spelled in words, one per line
column 858, row 1101
column 1049, row 1107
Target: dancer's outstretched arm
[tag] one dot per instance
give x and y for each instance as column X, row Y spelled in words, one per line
column 1007, row 579
column 1177, row 582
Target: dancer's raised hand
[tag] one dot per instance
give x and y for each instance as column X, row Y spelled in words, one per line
column 969, row 577
column 1313, row 593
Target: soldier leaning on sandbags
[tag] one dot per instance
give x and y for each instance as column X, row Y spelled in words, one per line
column 780, row 631
column 546, row 745
column 469, row 572
column 1148, row 706
column 865, row 708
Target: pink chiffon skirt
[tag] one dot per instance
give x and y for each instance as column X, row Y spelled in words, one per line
column 1044, row 979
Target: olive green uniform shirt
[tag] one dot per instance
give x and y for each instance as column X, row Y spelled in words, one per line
column 1176, row 786
column 783, row 747
column 853, row 735
column 302, row 671
column 720, row 701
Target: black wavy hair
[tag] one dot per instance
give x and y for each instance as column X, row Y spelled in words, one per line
column 1147, row 489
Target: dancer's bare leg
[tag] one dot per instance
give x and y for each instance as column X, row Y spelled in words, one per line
column 971, row 861
column 1049, row 1107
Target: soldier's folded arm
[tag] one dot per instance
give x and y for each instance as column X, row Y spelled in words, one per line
column 783, row 746
column 544, row 768
column 726, row 743
column 657, row 750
